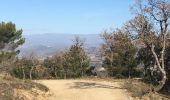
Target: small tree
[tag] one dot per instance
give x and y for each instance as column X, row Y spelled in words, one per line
column 55, row 65
column 59, row 61
column 27, row 68
column 76, row 59
column 20, row 64
column 33, row 63
column 10, row 39
column 118, row 50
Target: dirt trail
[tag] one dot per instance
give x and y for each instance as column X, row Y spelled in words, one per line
column 85, row 90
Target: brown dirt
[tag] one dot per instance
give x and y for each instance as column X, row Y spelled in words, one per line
column 85, row 90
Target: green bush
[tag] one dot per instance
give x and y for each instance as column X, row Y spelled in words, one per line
column 38, row 72
column 122, row 72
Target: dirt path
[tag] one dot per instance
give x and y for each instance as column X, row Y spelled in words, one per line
column 85, row 90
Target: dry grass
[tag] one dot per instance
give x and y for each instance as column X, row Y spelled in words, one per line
column 137, row 89
column 10, row 87
column 142, row 91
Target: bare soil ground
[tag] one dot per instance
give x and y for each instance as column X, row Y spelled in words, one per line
column 85, row 90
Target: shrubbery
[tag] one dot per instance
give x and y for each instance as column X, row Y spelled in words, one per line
column 71, row 64
column 122, row 72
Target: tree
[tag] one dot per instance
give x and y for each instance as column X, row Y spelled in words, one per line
column 21, row 64
column 10, row 39
column 59, row 61
column 55, row 65
column 33, row 62
column 47, row 63
column 76, row 59
column 108, row 48
column 118, row 50
column 151, row 27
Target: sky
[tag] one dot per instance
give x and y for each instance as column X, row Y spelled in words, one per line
column 65, row 16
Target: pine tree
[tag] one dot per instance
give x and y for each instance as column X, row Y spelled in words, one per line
column 76, row 59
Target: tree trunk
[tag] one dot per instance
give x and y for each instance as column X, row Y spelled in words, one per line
column 166, row 87
column 55, row 72
column 161, row 83
column 161, row 68
column 81, row 65
column 23, row 72
column 65, row 76
column 31, row 73
column 129, row 72
column 111, row 59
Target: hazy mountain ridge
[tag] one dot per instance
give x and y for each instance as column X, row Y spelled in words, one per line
column 44, row 45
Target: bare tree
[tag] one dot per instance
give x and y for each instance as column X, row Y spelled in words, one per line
column 151, row 26
column 108, row 46
column 31, row 62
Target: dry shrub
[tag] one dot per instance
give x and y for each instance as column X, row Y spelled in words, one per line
column 137, row 89
column 6, row 91
column 8, row 84
column 142, row 91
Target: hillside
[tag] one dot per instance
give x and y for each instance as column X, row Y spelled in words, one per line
column 16, row 89
column 47, row 44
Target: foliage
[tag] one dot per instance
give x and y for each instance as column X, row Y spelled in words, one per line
column 23, row 67
column 119, row 52
column 76, row 60
column 10, row 39
column 72, row 64
column 150, row 26
column 55, row 66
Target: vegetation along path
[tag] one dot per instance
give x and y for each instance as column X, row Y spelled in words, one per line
column 85, row 90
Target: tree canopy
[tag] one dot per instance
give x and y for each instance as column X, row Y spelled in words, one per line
column 10, row 37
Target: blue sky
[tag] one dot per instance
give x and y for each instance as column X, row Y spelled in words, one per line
column 65, row 16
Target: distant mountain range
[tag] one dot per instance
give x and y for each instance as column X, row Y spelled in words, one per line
column 44, row 45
